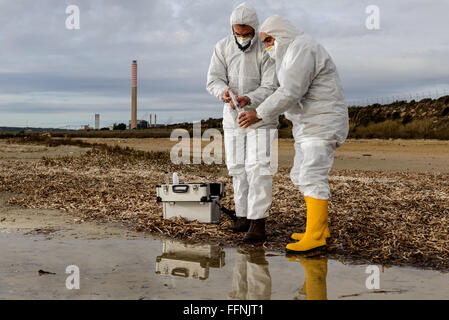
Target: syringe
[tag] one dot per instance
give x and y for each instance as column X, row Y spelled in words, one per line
column 234, row 100
column 238, row 110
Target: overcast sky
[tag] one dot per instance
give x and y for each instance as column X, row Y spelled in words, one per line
column 52, row 76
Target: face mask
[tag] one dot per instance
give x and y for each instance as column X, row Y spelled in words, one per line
column 272, row 50
column 243, row 41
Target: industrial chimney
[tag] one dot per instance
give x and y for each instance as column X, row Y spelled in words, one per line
column 151, row 120
column 155, row 122
column 97, row 121
column 134, row 96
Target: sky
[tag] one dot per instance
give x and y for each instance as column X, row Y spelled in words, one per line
column 51, row 76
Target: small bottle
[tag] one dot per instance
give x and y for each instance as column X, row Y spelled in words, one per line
column 175, row 178
column 167, row 180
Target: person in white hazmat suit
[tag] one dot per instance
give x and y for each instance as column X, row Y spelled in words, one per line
column 311, row 96
column 240, row 64
column 251, row 278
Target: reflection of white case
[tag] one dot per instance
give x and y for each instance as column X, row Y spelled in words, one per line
column 184, row 269
column 188, row 261
column 192, row 201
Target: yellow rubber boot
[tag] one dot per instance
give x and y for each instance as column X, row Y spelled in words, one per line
column 316, row 227
column 299, row 236
column 315, row 283
column 314, row 287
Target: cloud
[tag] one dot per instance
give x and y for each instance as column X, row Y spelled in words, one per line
column 47, row 71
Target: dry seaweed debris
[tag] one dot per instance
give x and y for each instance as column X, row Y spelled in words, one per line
column 385, row 218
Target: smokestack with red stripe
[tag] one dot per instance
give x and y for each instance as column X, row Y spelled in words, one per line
column 134, row 96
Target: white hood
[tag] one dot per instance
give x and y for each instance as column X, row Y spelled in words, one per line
column 280, row 28
column 245, row 14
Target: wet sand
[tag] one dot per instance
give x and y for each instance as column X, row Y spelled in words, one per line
column 55, row 223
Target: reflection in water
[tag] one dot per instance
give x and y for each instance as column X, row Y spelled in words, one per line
column 189, row 260
column 314, row 287
column 251, row 278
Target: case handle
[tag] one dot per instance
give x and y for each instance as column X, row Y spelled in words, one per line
column 180, row 188
column 180, row 272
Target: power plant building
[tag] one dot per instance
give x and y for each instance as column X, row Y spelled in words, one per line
column 140, row 124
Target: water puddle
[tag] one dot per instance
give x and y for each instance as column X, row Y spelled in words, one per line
column 167, row 269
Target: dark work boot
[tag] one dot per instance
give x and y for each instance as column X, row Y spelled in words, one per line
column 257, row 256
column 256, row 232
column 241, row 225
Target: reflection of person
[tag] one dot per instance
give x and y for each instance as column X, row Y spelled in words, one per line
column 311, row 95
column 239, row 63
column 315, row 277
column 251, row 280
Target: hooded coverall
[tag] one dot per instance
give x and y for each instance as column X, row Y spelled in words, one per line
column 248, row 73
column 311, row 96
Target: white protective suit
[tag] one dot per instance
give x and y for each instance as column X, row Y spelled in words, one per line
column 251, row 277
column 250, row 73
column 311, row 95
